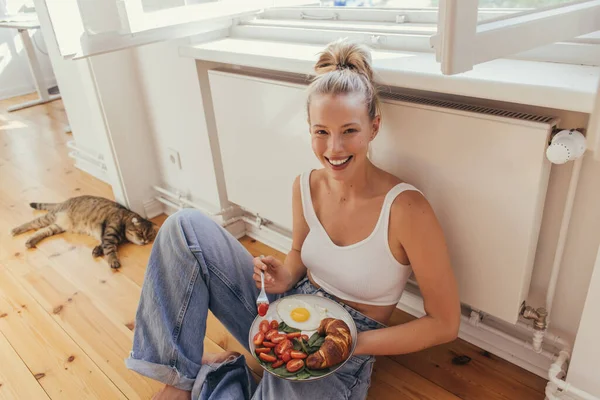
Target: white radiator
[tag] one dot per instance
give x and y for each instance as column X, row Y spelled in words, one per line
column 483, row 170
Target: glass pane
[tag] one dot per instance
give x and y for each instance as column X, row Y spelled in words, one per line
column 435, row 3
column 155, row 5
column 520, row 3
column 380, row 3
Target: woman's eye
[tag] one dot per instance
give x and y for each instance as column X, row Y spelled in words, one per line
column 351, row 130
column 321, row 132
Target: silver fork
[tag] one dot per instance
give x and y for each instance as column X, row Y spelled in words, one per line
column 262, row 296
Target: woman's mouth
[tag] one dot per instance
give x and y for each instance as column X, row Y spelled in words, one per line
column 339, row 163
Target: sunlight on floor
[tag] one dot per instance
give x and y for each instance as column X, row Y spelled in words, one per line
column 6, row 124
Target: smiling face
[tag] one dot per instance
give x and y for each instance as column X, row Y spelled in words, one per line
column 341, row 131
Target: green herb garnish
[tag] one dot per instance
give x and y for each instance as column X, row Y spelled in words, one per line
column 283, row 327
column 312, row 339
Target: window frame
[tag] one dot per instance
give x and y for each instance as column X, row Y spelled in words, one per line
column 311, row 27
column 461, row 43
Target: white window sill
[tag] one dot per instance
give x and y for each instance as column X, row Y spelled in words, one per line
column 552, row 85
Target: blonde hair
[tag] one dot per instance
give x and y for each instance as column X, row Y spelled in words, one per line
column 345, row 67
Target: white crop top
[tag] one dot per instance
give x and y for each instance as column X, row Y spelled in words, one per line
column 365, row 272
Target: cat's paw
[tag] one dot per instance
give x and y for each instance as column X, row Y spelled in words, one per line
column 97, row 252
column 15, row 232
column 115, row 264
column 30, row 244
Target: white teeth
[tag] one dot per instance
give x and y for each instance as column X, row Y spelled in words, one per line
column 339, row 162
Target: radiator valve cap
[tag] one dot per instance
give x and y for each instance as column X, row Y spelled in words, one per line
column 565, row 146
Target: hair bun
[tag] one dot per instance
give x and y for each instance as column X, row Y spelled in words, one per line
column 345, row 55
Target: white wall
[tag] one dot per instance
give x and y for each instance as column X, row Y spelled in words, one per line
column 583, row 370
column 175, row 108
column 15, row 77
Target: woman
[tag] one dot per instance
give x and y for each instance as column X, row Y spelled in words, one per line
column 358, row 232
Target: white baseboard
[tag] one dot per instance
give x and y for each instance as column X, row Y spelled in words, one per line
column 271, row 240
column 412, row 303
column 92, row 170
column 238, row 229
column 153, row 208
column 8, row 92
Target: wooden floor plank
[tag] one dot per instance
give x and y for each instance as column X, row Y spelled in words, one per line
column 104, row 341
column 400, row 380
column 57, row 362
column 16, row 381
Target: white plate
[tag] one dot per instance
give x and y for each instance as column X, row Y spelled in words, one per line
column 334, row 310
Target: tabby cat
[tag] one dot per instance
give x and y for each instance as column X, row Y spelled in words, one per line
column 106, row 220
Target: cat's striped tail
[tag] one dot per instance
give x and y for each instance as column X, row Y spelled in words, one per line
column 43, row 206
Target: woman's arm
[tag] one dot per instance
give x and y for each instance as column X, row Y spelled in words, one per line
column 293, row 261
column 421, row 236
column 281, row 277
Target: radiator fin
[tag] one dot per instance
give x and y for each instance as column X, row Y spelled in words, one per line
column 466, row 107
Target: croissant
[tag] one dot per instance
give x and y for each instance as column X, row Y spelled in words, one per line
column 335, row 348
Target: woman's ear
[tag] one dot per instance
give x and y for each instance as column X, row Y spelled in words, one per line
column 376, row 125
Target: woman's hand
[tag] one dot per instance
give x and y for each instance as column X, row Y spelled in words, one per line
column 278, row 278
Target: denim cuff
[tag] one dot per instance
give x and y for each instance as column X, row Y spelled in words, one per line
column 159, row 372
column 210, row 374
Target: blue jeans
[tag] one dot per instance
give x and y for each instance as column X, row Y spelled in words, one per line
column 196, row 265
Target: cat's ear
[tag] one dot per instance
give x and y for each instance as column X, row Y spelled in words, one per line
column 135, row 221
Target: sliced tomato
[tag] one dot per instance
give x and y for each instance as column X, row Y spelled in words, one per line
column 274, row 324
column 277, row 364
column 294, row 335
column 283, row 346
column 264, row 326
column 269, row 335
column 298, row 354
column 259, row 338
column 280, row 337
column 286, row 355
column 262, row 309
column 268, row 344
column 259, row 350
column 305, row 338
column 267, row 357
column 294, row 365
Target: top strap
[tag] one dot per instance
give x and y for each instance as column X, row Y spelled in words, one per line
column 389, row 200
column 307, row 205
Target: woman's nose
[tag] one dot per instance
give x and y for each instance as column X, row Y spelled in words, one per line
column 336, row 145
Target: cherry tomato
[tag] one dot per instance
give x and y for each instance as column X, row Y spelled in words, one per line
column 262, row 309
column 277, row 364
column 293, row 365
column 280, row 337
column 283, row 346
column 259, row 350
column 294, row 335
column 269, row 335
column 259, row 338
column 268, row 344
column 268, row 357
column 305, row 338
column 298, row 354
column 286, row 355
column 264, row 326
column 274, row 324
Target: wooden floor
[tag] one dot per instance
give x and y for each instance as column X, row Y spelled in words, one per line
column 66, row 319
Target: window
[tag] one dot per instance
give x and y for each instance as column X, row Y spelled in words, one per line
column 461, row 37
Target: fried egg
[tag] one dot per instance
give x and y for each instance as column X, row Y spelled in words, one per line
column 299, row 314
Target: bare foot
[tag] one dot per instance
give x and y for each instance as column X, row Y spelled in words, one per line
column 215, row 358
column 172, row 393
